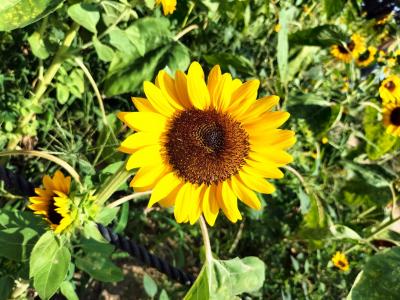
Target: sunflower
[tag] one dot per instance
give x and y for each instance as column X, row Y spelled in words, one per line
column 351, row 50
column 339, row 260
column 52, row 202
column 391, row 118
column 201, row 146
column 169, row 6
column 367, row 57
column 389, row 90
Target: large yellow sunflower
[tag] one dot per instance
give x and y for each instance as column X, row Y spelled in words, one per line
column 391, row 118
column 202, row 146
column 389, row 89
column 367, row 57
column 52, row 202
column 351, row 50
column 169, row 6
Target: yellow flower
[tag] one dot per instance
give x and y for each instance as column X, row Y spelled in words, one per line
column 349, row 51
column 169, row 6
column 325, row 140
column 52, row 202
column 339, row 260
column 391, row 62
column 381, row 56
column 277, row 27
column 391, row 118
column 389, row 90
column 367, row 57
column 201, row 146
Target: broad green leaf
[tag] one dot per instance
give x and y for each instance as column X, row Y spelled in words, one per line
column 378, row 141
column 343, row 232
column 228, row 60
column 99, row 267
column 333, row 7
column 19, row 232
column 225, row 279
column 62, row 93
column 358, row 191
column 68, row 290
column 283, row 45
column 323, row 36
column 163, row 295
column 48, row 265
column 37, row 45
column 6, row 285
column 20, row 13
column 149, row 286
column 107, row 215
column 379, row 278
column 90, row 246
column 85, row 14
column 104, row 52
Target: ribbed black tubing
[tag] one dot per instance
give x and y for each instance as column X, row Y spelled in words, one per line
column 18, row 185
column 143, row 255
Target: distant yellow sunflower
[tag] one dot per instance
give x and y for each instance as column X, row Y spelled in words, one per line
column 391, row 118
column 169, row 6
column 52, row 202
column 201, row 146
column 351, row 50
column 389, row 89
column 381, row 56
column 367, row 57
column 340, row 261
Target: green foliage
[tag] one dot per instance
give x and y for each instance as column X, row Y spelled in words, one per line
column 378, row 280
column 20, row 13
column 225, row 279
column 48, row 265
column 86, row 15
column 322, row 36
column 6, row 285
column 149, row 286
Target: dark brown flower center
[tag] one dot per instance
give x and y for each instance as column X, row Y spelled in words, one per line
column 349, row 47
column 205, row 146
column 364, row 56
column 341, row 263
column 390, row 86
column 395, row 116
column 53, row 216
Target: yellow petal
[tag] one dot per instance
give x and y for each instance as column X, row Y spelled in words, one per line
column 258, row 108
column 143, row 105
column 256, row 183
column 244, row 97
column 157, row 99
column 223, row 93
column 144, row 121
column 246, row 195
column 144, row 157
column 182, row 203
column 269, row 120
column 182, row 89
column 140, row 140
column 213, row 78
column 197, row 89
column 164, row 187
column 270, row 154
column 148, row 176
column 48, row 182
column 278, row 138
column 210, row 204
column 197, row 198
column 167, row 87
column 229, row 200
column 265, row 169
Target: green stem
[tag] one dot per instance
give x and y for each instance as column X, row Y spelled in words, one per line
column 45, row 82
column 112, row 184
column 206, row 240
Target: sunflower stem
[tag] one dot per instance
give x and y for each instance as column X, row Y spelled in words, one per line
column 112, row 184
column 206, row 240
column 128, row 198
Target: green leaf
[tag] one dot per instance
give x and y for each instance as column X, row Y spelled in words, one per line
column 378, row 141
column 130, row 77
column 225, row 279
column 333, row 7
column 6, row 286
column 62, row 93
column 48, row 265
column 68, row 290
column 104, row 52
column 322, row 36
column 149, row 286
column 91, row 246
column 20, row 13
column 19, row 232
column 163, row 295
column 107, row 215
column 283, row 46
column 99, row 267
column 379, row 278
column 228, row 60
column 85, row 14
column 343, row 232
column 37, row 45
